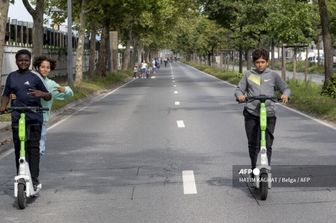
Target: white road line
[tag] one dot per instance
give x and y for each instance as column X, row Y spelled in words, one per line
column 310, row 117
column 173, row 78
column 174, row 85
column 6, row 153
column 175, row 92
column 173, row 81
column 177, row 103
column 153, row 77
column 180, row 124
column 189, row 185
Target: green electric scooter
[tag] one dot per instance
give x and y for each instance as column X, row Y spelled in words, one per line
column 262, row 173
column 23, row 185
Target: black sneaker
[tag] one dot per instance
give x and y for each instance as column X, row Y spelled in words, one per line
column 35, row 183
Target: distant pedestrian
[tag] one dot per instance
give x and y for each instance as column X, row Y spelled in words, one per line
column 135, row 71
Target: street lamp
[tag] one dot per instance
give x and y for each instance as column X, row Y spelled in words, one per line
column 70, row 55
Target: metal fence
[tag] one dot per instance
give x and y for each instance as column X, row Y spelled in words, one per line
column 19, row 36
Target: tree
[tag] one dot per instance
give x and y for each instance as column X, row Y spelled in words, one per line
column 327, row 43
column 245, row 19
column 4, row 5
column 291, row 23
column 80, row 45
column 37, row 15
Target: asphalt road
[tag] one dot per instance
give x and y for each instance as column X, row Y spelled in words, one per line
column 162, row 150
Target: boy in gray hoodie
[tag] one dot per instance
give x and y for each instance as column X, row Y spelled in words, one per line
column 256, row 82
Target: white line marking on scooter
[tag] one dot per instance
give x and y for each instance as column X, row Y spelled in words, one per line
column 177, row 103
column 189, row 185
column 175, row 92
column 180, row 124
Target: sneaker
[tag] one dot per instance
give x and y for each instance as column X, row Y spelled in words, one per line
column 37, row 186
column 35, row 183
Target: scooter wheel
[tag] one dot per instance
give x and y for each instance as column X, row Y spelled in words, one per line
column 21, row 198
column 263, row 186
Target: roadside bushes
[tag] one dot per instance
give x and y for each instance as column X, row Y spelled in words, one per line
column 330, row 89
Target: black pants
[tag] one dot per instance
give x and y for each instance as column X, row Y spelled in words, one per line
column 33, row 135
column 252, row 128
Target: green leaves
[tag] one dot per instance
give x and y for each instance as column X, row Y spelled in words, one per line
column 291, row 22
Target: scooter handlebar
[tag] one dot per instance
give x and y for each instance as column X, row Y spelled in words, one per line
column 261, row 98
column 27, row 109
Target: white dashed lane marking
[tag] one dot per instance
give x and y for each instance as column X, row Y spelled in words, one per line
column 180, row 124
column 189, row 184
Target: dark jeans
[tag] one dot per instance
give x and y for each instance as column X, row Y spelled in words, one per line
column 33, row 135
column 252, row 128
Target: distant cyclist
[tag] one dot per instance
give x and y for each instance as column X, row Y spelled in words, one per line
column 256, row 82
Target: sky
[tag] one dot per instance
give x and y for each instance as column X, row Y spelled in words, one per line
column 19, row 12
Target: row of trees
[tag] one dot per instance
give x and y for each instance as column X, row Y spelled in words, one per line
column 244, row 25
column 191, row 27
column 142, row 25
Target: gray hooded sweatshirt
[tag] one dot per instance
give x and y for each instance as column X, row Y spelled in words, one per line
column 266, row 83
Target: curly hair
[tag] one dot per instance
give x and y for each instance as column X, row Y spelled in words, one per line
column 23, row 51
column 260, row 53
column 38, row 61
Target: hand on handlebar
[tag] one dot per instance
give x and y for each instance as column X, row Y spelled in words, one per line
column 241, row 98
column 284, row 98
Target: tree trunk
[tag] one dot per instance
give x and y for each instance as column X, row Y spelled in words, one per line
column 102, row 57
column 294, row 65
column 209, row 59
column 248, row 59
column 80, row 45
column 37, row 15
column 272, row 55
column 127, row 54
column 3, row 21
column 240, row 59
column 92, row 56
column 283, row 63
column 327, row 44
column 306, row 65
